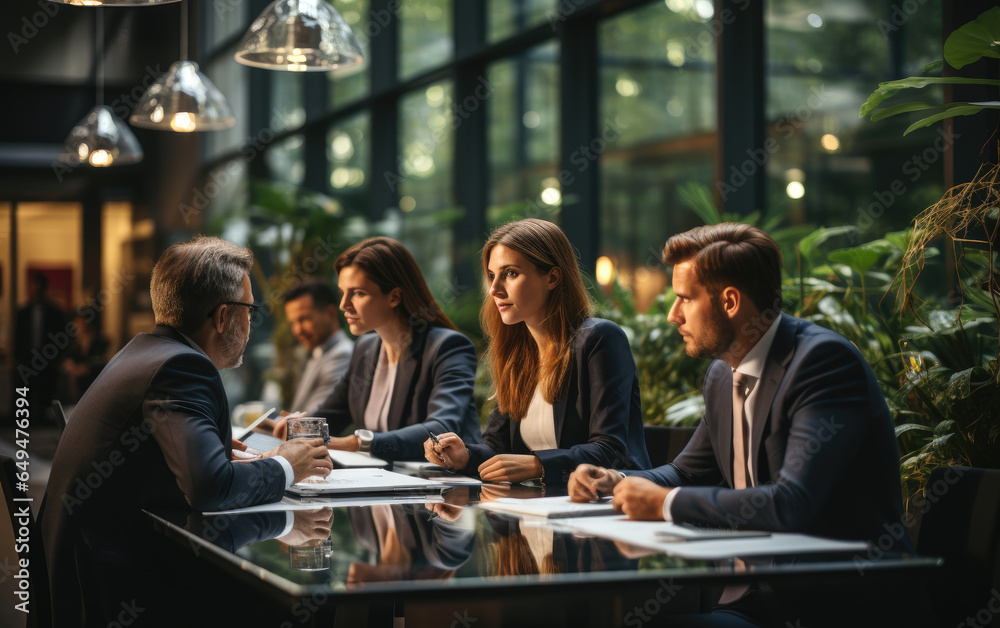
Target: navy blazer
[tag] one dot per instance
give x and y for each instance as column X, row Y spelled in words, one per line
column 598, row 415
column 432, row 392
column 823, row 449
column 152, row 431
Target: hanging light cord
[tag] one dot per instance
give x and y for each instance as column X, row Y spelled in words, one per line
column 184, row 31
column 99, row 53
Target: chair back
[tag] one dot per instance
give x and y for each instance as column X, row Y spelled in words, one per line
column 18, row 535
column 962, row 525
column 664, row 442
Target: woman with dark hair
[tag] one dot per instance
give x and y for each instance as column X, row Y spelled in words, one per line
column 566, row 386
column 413, row 375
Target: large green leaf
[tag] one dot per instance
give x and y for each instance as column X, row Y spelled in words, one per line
column 858, row 258
column 975, row 40
column 808, row 244
column 906, row 107
column 910, row 427
column 965, row 110
column 890, row 88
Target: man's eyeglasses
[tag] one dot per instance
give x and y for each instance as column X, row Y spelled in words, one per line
column 252, row 309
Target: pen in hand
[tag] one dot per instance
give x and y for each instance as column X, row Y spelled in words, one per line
column 434, row 437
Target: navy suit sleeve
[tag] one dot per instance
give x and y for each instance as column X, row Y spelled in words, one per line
column 606, row 394
column 450, row 407
column 694, row 466
column 697, row 464
column 830, row 408
column 496, row 439
column 181, row 410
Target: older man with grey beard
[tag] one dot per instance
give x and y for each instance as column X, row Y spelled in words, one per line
column 153, row 431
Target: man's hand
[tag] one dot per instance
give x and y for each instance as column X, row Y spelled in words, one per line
column 449, row 451
column 309, row 525
column 308, row 456
column 510, row 468
column 589, row 483
column 345, row 443
column 640, row 499
column 281, row 423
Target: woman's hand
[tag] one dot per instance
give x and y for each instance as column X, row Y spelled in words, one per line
column 281, row 423
column 510, row 468
column 449, row 451
column 345, row 443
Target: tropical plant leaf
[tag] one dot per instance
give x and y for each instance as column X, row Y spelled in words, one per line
column 859, row 259
column 912, row 427
column 698, row 197
column 889, row 89
column 905, row 107
column 973, row 41
column 808, row 245
column 934, row 67
column 962, row 110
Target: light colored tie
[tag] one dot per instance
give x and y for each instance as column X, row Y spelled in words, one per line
column 740, row 430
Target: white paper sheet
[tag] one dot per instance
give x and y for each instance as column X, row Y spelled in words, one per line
column 549, row 507
column 356, row 460
column 643, row 534
column 315, row 503
column 362, row 481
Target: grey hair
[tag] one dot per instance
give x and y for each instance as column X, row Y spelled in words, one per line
column 192, row 278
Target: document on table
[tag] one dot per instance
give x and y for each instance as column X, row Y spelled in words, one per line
column 362, row 481
column 315, row 503
column 356, row 460
column 550, row 507
column 644, row 534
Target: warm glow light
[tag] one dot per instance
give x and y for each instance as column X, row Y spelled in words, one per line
column 551, row 196
column 605, row 271
column 182, row 122
column 407, row 203
column 100, row 158
column 830, row 142
column 627, row 87
column 795, row 190
column 343, row 148
column 340, row 177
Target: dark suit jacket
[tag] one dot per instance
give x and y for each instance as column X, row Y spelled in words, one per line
column 824, row 447
column 432, row 392
column 598, row 415
column 152, row 431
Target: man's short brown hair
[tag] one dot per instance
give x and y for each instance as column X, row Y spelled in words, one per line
column 731, row 254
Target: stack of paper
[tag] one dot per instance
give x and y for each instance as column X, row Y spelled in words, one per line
column 363, row 481
column 549, row 507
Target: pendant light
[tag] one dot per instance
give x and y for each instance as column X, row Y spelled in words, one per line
column 300, row 36
column 183, row 99
column 101, row 139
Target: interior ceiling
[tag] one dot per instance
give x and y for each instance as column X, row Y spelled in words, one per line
column 47, row 70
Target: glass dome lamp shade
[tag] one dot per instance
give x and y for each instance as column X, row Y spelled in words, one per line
column 101, row 139
column 114, row 3
column 300, row 36
column 183, row 100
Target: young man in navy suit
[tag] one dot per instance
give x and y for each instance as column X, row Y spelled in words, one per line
column 796, row 435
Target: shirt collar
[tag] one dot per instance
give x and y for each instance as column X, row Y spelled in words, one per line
column 753, row 362
column 334, row 338
column 194, row 345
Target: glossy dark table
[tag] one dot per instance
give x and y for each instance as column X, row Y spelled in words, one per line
column 452, row 564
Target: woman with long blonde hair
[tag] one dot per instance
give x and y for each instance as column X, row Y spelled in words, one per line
column 565, row 383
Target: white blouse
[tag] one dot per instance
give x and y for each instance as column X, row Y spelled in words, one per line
column 377, row 410
column 538, row 427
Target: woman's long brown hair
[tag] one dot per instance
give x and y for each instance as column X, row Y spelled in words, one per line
column 512, row 354
column 388, row 264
